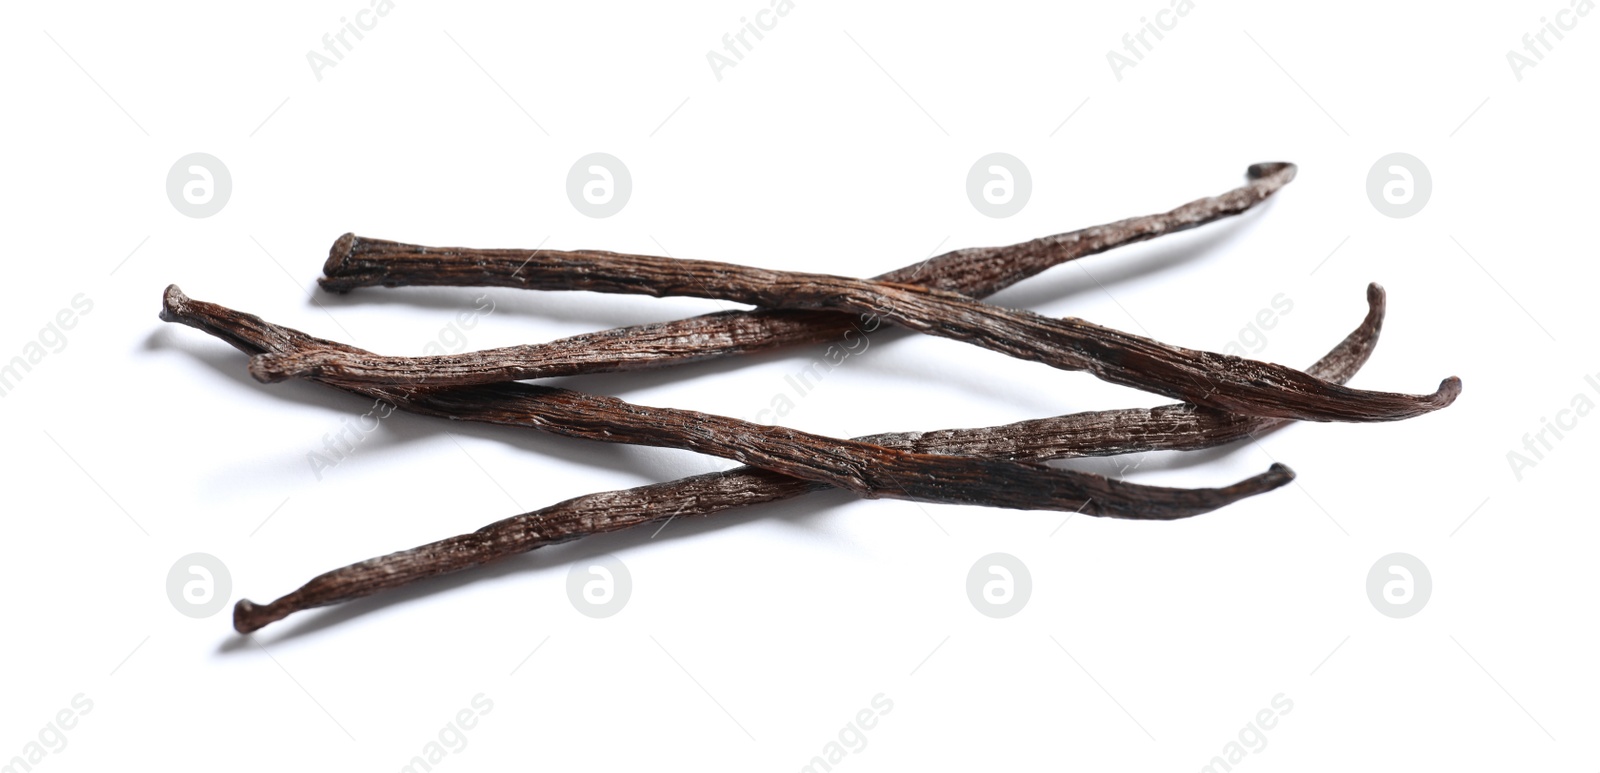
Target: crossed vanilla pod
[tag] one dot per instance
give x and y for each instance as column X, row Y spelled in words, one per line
column 1225, row 398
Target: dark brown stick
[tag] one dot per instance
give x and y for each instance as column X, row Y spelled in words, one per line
column 869, row 470
column 975, row 272
column 1169, row 427
column 1218, row 381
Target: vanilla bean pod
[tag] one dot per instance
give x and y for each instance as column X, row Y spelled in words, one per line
column 1169, row 427
column 863, row 468
column 974, row 271
column 1218, row 381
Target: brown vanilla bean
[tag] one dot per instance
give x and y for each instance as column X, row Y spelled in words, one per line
column 1170, row 427
column 975, row 271
column 863, row 468
column 1218, row 381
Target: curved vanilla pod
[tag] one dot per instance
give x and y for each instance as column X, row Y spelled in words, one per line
column 863, row 468
column 974, row 271
column 1219, row 381
column 1096, row 433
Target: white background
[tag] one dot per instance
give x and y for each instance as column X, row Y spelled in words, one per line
column 840, row 143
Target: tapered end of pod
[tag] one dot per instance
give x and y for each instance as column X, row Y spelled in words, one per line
column 1276, row 476
column 249, row 616
column 1272, row 169
column 1449, row 390
column 1156, row 504
column 173, row 304
column 339, row 254
column 1377, row 309
column 336, row 269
